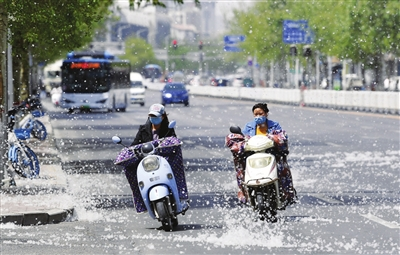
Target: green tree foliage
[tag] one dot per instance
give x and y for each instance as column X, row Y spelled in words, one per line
column 263, row 26
column 137, row 3
column 352, row 29
column 374, row 28
column 374, row 31
column 139, row 53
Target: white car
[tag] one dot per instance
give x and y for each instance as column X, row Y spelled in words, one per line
column 137, row 90
column 237, row 82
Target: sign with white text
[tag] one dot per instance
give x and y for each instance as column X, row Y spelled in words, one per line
column 297, row 32
column 232, row 42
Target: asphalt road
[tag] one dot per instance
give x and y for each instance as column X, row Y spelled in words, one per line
column 345, row 167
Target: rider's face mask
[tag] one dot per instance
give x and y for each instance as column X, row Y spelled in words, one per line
column 260, row 119
column 156, row 120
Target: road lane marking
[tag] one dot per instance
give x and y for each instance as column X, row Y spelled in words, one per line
column 327, row 199
column 381, row 221
column 333, row 144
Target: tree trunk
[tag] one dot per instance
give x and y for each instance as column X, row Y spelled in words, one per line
column 363, row 75
column 3, row 91
column 20, row 65
column 378, row 69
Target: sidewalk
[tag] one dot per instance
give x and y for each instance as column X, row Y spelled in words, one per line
column 43, row 200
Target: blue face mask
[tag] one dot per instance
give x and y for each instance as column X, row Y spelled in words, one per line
column 155, row 120
column 260, row 119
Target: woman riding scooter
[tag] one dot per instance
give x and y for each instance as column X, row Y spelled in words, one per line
column 156, row 127
column 261, row 125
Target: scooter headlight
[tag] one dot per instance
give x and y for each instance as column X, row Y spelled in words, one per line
column 259, row 162
column 151, row 163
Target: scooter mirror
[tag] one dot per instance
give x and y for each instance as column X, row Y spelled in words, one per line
column 172, row 124
column 116, row 139
column 235, row 130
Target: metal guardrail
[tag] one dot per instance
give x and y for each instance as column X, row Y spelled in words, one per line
column 368, row 101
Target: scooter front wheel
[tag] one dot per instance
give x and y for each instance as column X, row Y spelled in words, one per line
column 266, row 205
column 261, row 205
column 165, row 218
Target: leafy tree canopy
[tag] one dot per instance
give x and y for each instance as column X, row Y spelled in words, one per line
column 139, row 53
column 137, row 3
column 347, row 29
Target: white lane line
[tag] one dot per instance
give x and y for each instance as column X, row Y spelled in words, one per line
column 380, row 221
column 333, row 144
column 327, row 199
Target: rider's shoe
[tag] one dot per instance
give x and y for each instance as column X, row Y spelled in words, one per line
column 185, row 205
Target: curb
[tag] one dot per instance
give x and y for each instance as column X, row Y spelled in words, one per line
column 53, row 216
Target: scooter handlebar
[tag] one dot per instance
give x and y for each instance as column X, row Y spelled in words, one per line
column 128, row 155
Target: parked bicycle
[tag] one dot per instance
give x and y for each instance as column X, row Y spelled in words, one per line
column 22, row 158
column 32, row 109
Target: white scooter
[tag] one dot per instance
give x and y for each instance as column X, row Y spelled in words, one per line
column 157, row 183
column 261, row 176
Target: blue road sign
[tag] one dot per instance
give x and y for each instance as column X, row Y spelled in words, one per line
column 233, row 48
column 296, row 32
column 234, row 39
column 232, row 42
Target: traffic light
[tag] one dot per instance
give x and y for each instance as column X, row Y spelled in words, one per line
column 307, row 51
column 293, row 50
column 200, row 45
column 175, row 44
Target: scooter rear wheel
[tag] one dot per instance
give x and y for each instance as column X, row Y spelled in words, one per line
column 165, row 218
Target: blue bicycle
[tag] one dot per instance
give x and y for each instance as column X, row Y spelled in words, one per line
column 38, row 129
column 22, row 158
column 32, row 108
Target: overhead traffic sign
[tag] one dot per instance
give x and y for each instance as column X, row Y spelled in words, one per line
column 232, row 48
column 234, row 39
column 297, row 32
column 232, row 42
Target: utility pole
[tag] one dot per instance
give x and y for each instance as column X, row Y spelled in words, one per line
column 166, row 60
column 200, row 58
column 293, row 53
column 5, row 60
column 3, row 99
column 317, row 74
